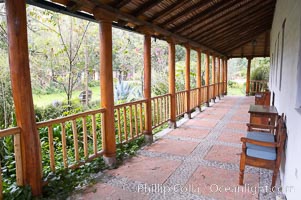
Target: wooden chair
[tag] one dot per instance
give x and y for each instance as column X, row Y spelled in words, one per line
column 263, row 150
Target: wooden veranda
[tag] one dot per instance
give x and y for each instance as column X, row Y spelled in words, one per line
column 220, row 29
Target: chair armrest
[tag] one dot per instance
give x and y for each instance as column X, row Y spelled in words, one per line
column 258, row 142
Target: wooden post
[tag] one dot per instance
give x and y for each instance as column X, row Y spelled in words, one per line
column 172, row 82
column 223, row 76
column 147, row 88
column 22, row 95
column 213, row 77
column 218, row 77
column 207, row 78
column 106, row 85
column 226, row 76
column 187, row 81
column 199, row 78
column 248, row 76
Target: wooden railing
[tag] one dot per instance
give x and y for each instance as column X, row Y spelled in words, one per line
column 160, row 110
column 72, row 140
column 15, row 133
column 130, row 120
column 194, row 95
column 204, row 94
column 181, row 98
column 211, row 88
column 257, row 86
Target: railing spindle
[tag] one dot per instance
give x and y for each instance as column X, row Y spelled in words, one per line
column 131, row 121
column 75, row 140
column 125, row 125
column 94, row 134
column 136, row 120
column 64, row 148
column 85, row 137
column 119, row 125
column 51, row 148
column 18, row 159
column 140, row 116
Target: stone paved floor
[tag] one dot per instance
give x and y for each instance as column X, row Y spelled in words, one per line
column 198, row 160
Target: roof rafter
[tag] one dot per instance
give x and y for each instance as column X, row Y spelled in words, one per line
column 236, row 28
column 189, row 25
column 145, row 7
column 229, row 20
column 185, row 12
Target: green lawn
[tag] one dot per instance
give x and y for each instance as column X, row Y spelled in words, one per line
column 47, row 99
column 235, row 91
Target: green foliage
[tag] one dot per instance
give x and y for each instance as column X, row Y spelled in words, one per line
column 261, row 73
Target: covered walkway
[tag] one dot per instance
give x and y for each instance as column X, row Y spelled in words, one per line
column 198, row 160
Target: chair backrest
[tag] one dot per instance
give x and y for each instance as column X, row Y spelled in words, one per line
column 280, row 134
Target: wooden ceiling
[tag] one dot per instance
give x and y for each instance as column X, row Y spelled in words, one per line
column 229, row 28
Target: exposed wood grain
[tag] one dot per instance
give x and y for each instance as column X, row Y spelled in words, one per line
column 51, row 148
column 18, row 160
column 64, row 146
column 75, row 140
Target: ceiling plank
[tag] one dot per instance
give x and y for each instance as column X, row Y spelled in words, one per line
column 266, row 41
column 185, row 12
column 235, row 28
column 122, row 3
column 205, row 12
column 162, row 33
column 207, row 31
column 145, row 7
column 189, row 26
column 168, row 10
column 235, row 43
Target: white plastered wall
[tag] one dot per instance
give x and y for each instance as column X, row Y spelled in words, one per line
column 286, row 99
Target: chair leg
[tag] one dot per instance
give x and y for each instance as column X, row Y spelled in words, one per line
column 242, row 169
column 274, row 178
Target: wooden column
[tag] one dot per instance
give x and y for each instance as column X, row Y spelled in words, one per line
column 22, row 95
column 147, row 88
column 226, row 76
column 207, row 78
column 172, row 83
column 223, row 76
column 187, row 82
column 213, row 76
column 199, row 77
column 106, row 85
column 218, row 78
column 248, row 76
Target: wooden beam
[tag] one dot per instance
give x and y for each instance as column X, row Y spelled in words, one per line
column 185, row 12
column 22, row 94
column 107, row 90
column 168, row 10
column 238, row 42
column 121, row 3
column 248, row 76
column 207, row 78
column 147, row 88
column 200, row 15
column 190, row 25
column 172, row 83
column 225, row 18
column 226, row 76
column 218, row 76
column 145, row 7
column 164, row 33
column 238, row 27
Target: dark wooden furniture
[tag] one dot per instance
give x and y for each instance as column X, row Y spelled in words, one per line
column 265, row 115
column 263, row 150
column 263, row 98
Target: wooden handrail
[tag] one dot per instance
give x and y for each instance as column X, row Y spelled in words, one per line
column 10, row 131
column 129, row 103
column 69, row 118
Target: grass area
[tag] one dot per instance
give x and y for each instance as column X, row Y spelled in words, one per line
column 47, row 99
column 237, row 91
